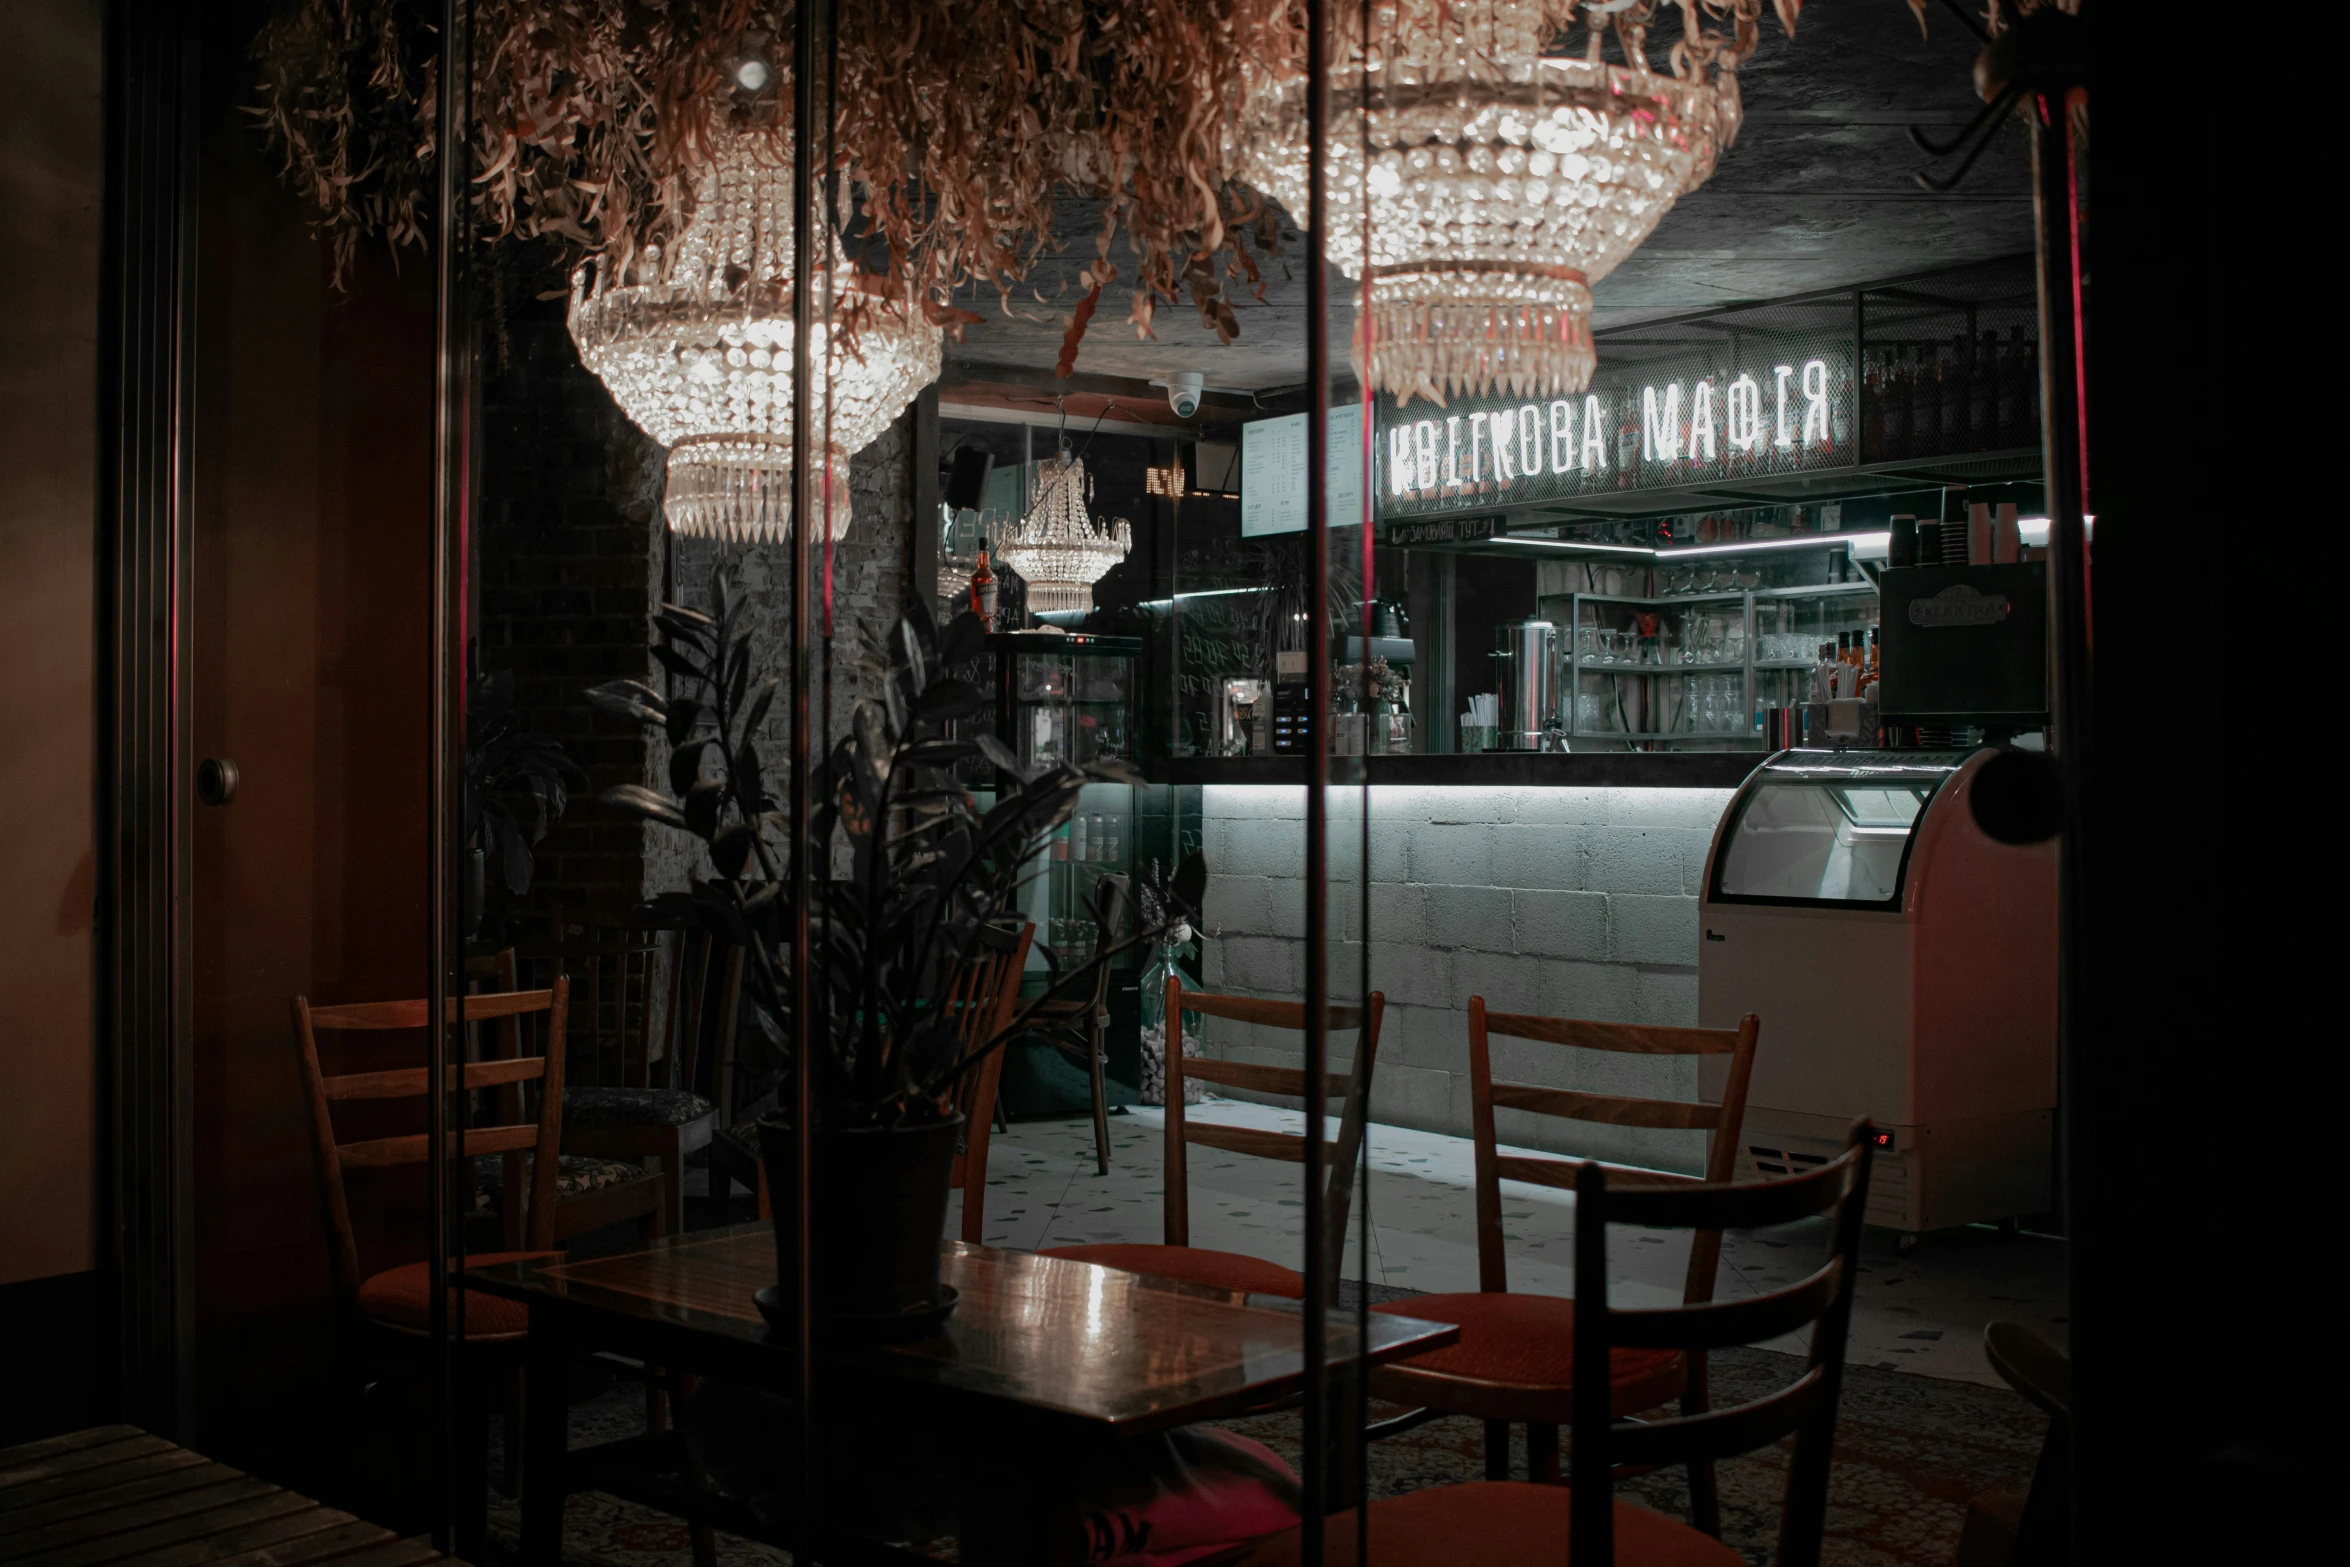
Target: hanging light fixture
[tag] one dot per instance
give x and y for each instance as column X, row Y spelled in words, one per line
column 1057, row 549
column 695, row 343
column 1499, row 185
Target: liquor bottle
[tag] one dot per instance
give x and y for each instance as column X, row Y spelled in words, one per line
column 1896, row 407
column 1983, row 395
column 2028, row 392
column 983, row 590
column 1954, row 397
column 1872, row 417
column 1925, row 418
column 1079, row 834
column 2011, row 390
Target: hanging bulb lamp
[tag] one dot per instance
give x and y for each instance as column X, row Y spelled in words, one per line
column 1057, row 549
column 695, row 342
column 1499, row 185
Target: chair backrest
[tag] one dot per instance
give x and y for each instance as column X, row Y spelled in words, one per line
column 1353, row 1089
column 1805, row 1408
column 1110, row 898
column 542, row 1136
column 614, row 968
column 1494, row 1167
column 984, row 994
column 705, row 984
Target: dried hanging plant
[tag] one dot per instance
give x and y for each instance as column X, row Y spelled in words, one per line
column 958, row 122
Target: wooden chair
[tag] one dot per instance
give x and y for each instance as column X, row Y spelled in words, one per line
column 1583, row 1523
column 591, row 1193
column 1516, row 1358
column 985, row 993
column 1080, row 1026
column 1178, row 1258
column 625, row 1114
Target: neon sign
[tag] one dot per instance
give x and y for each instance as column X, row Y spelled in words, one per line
column 1788, row 413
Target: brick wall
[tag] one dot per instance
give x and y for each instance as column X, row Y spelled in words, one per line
column 569, row 560
column 573, row 559
column 1570, row 902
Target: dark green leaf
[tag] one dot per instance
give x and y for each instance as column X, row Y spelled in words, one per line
column 730, row 851
column 683, row 712
column 760, row 700
column 998, row 754
column 679, row 665
column 966, row 638
column 948, row 700
column 628, row 699
column 702, row 803
column 685, row 766
column 638, row 800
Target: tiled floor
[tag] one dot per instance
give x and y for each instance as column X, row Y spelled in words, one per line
column 1922, row 1313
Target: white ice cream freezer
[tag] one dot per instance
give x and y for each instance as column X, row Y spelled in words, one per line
column 1903, row 964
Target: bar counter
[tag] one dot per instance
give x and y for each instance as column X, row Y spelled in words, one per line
column 1494, row 769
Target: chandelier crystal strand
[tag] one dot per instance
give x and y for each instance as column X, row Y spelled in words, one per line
column 1499, row 184
column 1057, row 549
column 695, row 343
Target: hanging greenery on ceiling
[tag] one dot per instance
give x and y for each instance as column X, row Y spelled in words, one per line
column 957, row 123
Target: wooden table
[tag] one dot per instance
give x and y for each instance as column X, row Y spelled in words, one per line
column 115, row 1494
column 1033, row 1340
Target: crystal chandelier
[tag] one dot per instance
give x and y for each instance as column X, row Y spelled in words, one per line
column 1056, row 548
column 695, row 343
column 1499, row 185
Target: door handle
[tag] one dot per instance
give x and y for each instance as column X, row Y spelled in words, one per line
column 216, row 781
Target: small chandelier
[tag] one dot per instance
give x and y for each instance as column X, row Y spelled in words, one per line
column 695, row 343
column 1056, row 548
column 1500, row 185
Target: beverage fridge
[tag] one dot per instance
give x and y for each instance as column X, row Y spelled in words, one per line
column 1903, row 964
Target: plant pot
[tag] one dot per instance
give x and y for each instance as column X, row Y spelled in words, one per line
column 880, row 1211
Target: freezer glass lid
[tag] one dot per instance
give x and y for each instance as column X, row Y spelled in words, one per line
column 1828, row 828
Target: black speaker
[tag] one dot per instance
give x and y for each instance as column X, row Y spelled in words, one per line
column 967, row 473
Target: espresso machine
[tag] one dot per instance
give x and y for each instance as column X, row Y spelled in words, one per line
column 1526, row 674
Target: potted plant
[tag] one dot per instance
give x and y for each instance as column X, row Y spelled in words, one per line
column 908, row 874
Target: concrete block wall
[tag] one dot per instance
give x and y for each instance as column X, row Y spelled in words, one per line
column 1568, row 902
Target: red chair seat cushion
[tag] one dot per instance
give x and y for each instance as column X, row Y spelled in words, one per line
column 1495, row 1521
column 1227, row 1270
column 1529, row 1341
column 402, row 1298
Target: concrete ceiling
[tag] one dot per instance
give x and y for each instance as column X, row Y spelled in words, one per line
column 1818, row 193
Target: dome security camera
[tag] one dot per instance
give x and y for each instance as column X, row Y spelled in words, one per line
column 1183, row 392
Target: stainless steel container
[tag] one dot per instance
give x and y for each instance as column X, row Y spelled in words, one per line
column 1526, row 671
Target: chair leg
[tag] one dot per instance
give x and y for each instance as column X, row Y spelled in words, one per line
column 510, row 1461
column 473, row 1462
column 1097, row 1053
column 704, row 1539
column 1542, row 1453
column 1705, row 1498
column 1497, row 1449
column 673, row 1165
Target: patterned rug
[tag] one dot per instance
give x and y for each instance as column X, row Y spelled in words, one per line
column 1910, row 1452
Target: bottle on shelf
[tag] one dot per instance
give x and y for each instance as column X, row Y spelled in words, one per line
column 1983, row 394
column 1954, row 396
column 1872, row 416
column 1078, row 846
column 1925, row 417
column 1896, row 407
column 983, row 590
